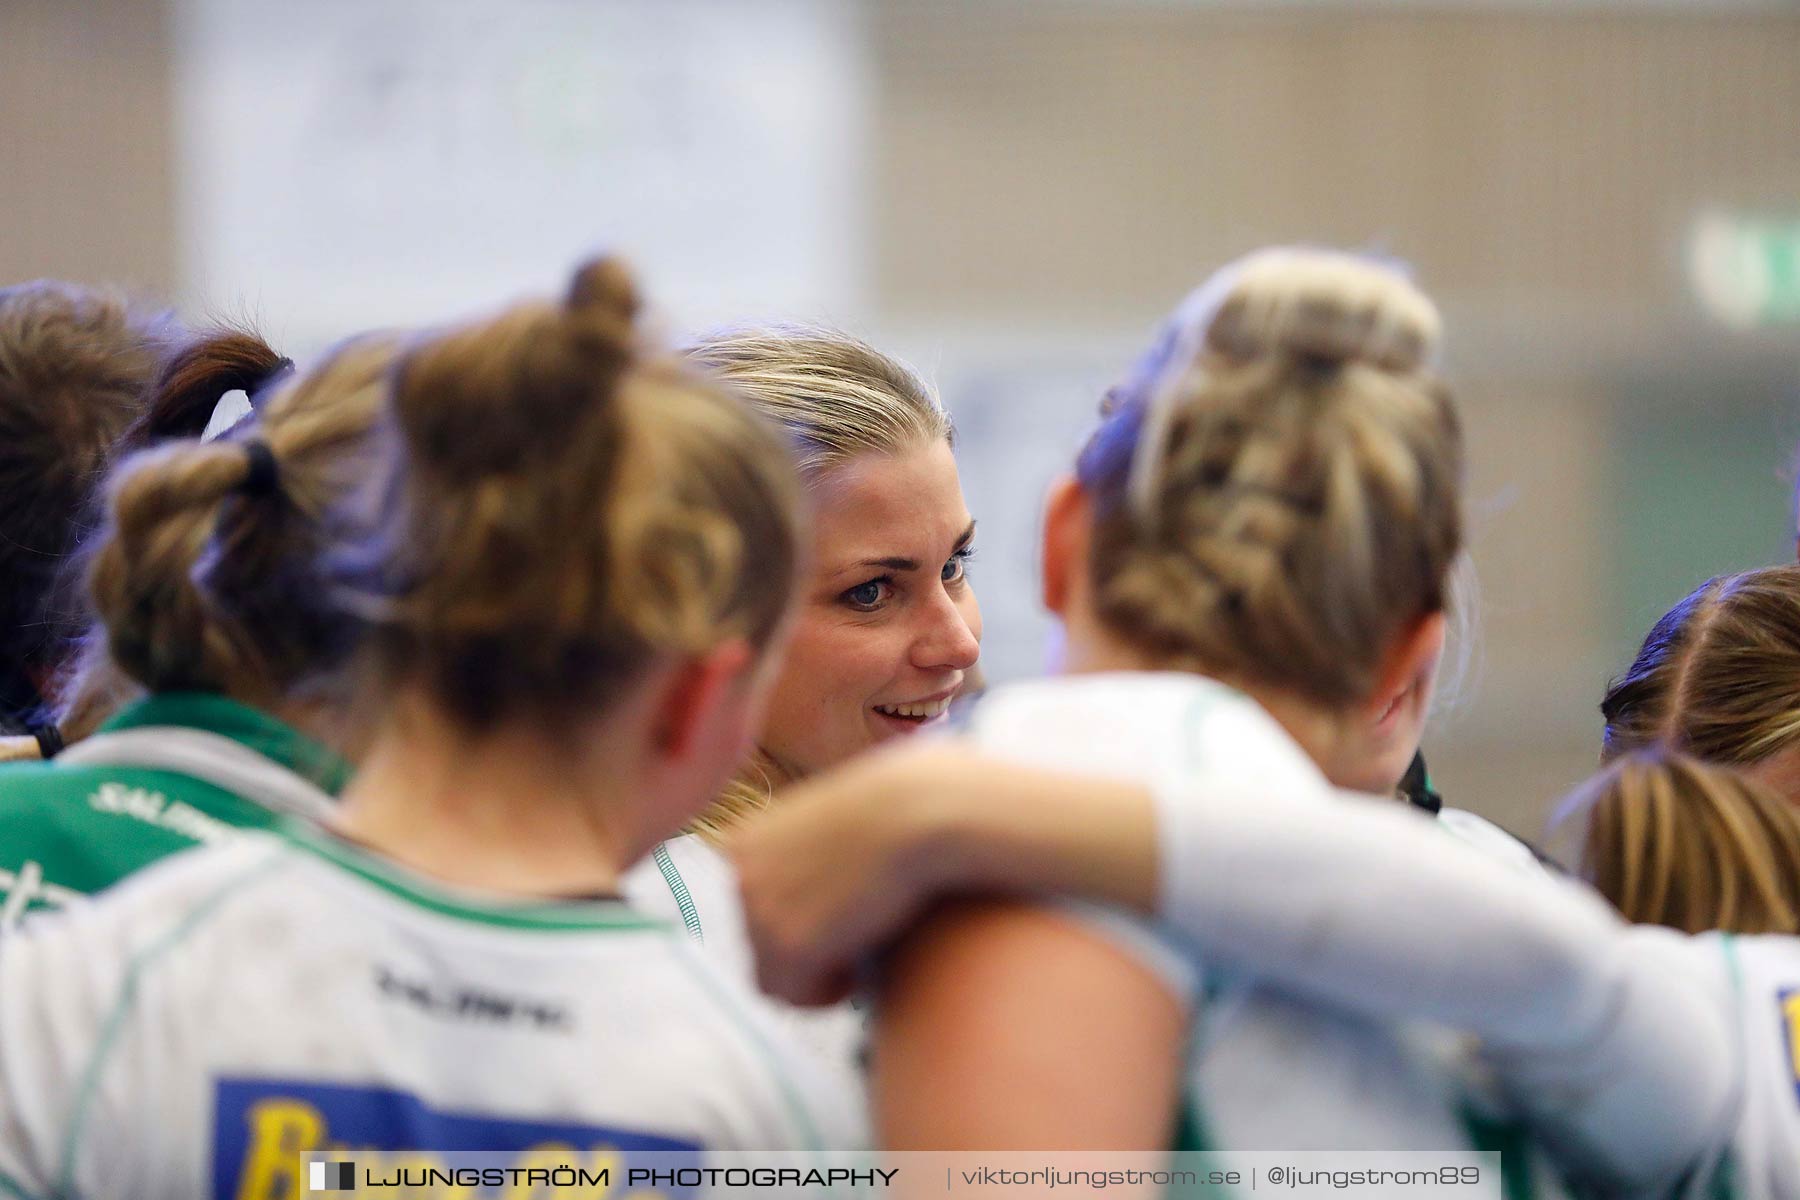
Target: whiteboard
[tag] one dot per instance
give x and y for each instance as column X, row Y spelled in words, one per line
column 346, row 165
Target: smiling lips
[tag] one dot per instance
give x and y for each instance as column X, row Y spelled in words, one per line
column 919, row 710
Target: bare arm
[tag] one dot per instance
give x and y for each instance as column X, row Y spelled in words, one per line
column 20, row 749
column 848, row 859
column 1372, row 904
column 1350, row 900
column 1007, row 1026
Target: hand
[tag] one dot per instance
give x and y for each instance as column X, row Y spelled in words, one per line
column 840, row 865
column 843, row 862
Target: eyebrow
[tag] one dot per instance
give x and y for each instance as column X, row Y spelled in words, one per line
column 912, row 564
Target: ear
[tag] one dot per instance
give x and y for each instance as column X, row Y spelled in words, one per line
column 1408, row 670
column 694, row 693
column 1068, row 526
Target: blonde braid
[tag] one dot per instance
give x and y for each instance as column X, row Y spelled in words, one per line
column 1277, row 493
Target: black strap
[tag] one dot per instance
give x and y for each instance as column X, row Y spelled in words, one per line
column 49, row 739
column 1415, row 786
column 263, row 478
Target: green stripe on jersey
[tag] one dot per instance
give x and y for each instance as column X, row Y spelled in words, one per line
column 574, row 916
column 1509, row 1139
column 1193, row 1137
column 12, row 1189
column 70, row 829
column 684, row 899
column 273, row 739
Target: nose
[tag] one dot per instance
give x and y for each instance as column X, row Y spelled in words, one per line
column 949, row 637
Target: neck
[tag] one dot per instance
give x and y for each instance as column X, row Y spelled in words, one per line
column 1098, row 655
column 1090, row 648
column 1320, row 732
column 775, row 772
column 320, row 722
column 511, row 810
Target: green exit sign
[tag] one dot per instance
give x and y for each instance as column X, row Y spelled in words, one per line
column 1747, row 269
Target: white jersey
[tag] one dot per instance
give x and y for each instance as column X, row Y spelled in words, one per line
column 1696, row 1115
column 687, row 882
column 194, row 1030
column 1641, row 1056
column 1760, row 978
column 1485, row 837
column 1267, row 1071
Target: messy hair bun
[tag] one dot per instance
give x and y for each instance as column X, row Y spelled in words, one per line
column 568, row 502
column 204, row 575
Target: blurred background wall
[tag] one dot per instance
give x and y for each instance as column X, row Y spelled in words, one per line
column 1605, row 197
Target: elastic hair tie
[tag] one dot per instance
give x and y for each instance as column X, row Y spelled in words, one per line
column 49, row 739
column 263, row 478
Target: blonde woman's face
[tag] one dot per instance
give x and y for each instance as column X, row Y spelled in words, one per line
column 887, row 622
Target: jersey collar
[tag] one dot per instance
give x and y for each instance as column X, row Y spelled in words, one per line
column 274, row 740
column 447, row 900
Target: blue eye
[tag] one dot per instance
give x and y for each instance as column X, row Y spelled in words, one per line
column 867, row 597
column 957, row 565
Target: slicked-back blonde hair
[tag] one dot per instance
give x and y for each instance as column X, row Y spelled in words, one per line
column 836, row 398
column 1277, row 489
column 566, row 503
column 1718, row 676
column 1669, row 840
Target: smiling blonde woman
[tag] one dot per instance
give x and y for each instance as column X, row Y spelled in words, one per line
column 887, row 627
column 885, row 630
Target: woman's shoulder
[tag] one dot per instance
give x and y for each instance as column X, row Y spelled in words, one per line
column 1152, row 945
column 685, row 868
column 1143, row 725
column 68, row 831
column 1491, row 841
column 143, row 919
column 1110, row 692
column 689, row 882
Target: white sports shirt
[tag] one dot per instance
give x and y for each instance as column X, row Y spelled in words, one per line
column 687, row 882
column 1655, row 1064
column 1267, row 1071
column 1761, row 978
column 197, row 1027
